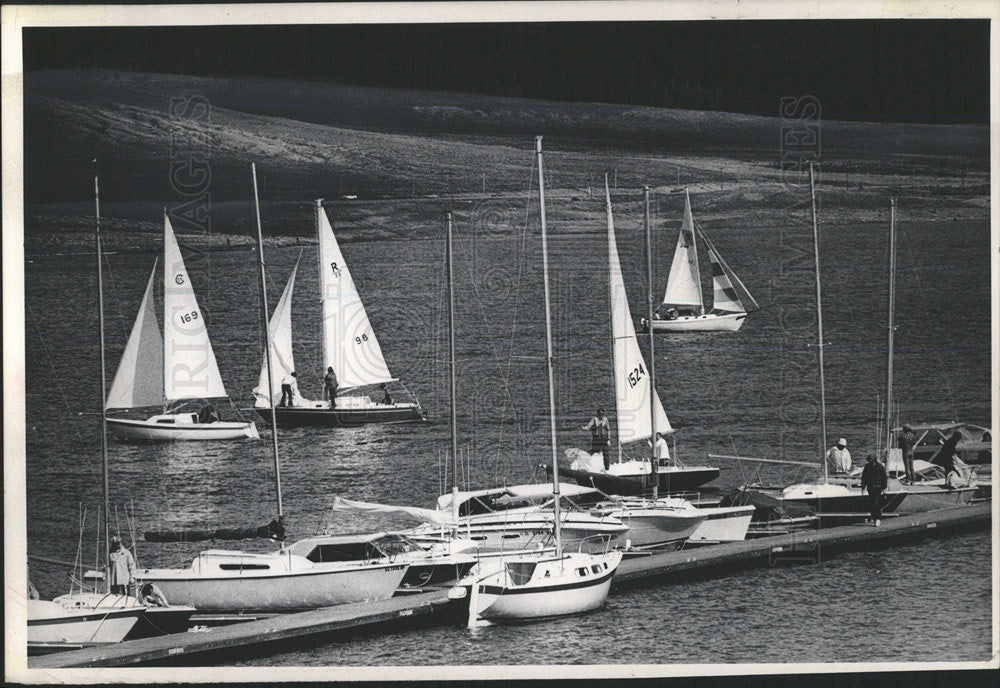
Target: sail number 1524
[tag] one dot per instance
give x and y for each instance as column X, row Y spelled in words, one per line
column 635, row 375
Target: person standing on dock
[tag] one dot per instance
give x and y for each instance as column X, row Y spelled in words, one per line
column 838, row 458
column 330, row 385
column 600, row 436
column 907, row 440
column 874, row 478
column 122, row 573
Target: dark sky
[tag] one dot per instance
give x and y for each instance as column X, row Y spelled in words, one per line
column 889, row 70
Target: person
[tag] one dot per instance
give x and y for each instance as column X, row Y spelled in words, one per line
column 287, row 389
column 386, row 397
column 122, row 567
column 208, row 414
column 838, row 458
column 330, row 386
column 660, row 450
column 874, row 478
column 907, row 440
column 600, row 436
column 152, row 596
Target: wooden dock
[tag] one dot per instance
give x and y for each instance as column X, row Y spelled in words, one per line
column 705, row 562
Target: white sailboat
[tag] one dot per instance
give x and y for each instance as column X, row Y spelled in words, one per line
column 294, row 578
column 683, row 307
column 86, row 619
column 350, row 347
column 178, row 367
column 547, row 584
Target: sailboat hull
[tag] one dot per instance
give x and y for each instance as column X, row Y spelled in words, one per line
column 679, row 479
column 920, row 499
column 710, row 322
column 81, row 620
column 151, row 430
column 297, row 417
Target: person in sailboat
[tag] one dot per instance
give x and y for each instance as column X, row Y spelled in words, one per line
column 660, row 450
column 907, row 440
column 288, row 393
column 208, row 414
column 151, row 596
column 330, row 386
column 874, row 478
column 600, row 436
column 122, row 574
column 838, row 458
column 386, row 397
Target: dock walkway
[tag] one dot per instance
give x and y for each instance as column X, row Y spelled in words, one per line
column 712, row 561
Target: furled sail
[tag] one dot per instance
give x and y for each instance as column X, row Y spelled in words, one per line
column 282, row 361
column 274, row 530
column 139, row 379
column 632, row 382
column 727, row 287
column 189, row 367
column 684, row 282
column 349, row 343
column 431, row 515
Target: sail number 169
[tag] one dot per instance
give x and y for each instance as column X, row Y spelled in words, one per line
column 635, row 375
column 188, row 317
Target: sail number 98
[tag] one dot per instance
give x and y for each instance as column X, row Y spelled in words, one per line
column 635, row 375
column 188, row 317
column 362, row 338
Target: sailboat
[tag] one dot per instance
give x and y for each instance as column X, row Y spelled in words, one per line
column 350, row 348
column 178, row 367
column 546, row 584
column 86, row 619
column 683, row 307
column 301, row 576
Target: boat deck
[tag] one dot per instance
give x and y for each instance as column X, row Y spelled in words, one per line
column 805, row 547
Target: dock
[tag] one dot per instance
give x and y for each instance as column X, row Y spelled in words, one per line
column 704, row 562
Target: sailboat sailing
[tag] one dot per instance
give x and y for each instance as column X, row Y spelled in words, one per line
column 683, row 307
column 177, row 367
column 350, row 348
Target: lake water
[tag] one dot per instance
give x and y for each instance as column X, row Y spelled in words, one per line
column 752, row 393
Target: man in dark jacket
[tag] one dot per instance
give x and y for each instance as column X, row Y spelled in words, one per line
column 330, row 386
column 874, row 478
column 907, row 440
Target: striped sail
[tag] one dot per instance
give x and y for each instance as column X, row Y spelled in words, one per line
column 139, row 379
column 189, row 367
column 282, row 361
column 726, row 285
column 684, row 282
column 349, row 343
column 633, row 390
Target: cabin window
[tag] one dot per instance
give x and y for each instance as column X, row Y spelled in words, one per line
column 166, row 421
column 581, row 572
column 595, row 568
column 244, row 567
column 509, row 536
column 478, row 538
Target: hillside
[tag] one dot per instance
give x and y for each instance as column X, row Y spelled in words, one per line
column 314, row 140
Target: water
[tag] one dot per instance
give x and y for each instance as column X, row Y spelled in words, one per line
column 751, row 393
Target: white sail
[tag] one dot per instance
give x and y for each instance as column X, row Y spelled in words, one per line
column 684, row 282
column 349, row 343
column 282, row 361
column 139, row 379
column 189, row 367
column 632, row 387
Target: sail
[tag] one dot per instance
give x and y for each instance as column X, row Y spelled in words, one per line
column 282, row 361
column 632, row 383
column 349, row 343
column 684, row 282
column 726, row 294
column 189, row 367
column 139, row 379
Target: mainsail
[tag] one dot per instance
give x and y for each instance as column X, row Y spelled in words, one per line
column 349, row 343
column 726, row 297
column 632, row 387
column 189, row 367
column 281, row 347
column 684, row 282
column 139, row 379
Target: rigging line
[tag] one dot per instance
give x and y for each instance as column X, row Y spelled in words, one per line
column 927, row 316
column 55, row 374
column 118, row 302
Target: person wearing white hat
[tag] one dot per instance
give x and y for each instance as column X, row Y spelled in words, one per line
column 838, row 458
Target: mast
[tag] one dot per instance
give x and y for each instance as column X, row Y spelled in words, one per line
column 819, row 324
column 548, row 347
column 892, row 328
column 104, row 414
column 319, row 276
column 451, row 364
column 694, row 254
column 267, row 343
column 652, row 349
column 611, row 341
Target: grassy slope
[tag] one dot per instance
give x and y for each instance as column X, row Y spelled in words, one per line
column 320, row 140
